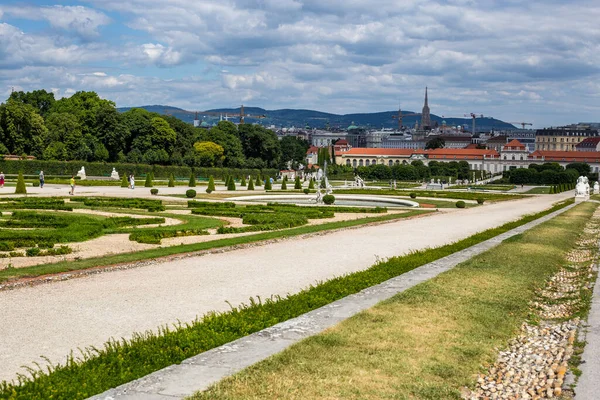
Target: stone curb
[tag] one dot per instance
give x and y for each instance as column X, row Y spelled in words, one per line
column 587, row 385
column 200, row 372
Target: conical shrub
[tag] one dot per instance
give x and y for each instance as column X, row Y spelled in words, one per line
column 172, row 181
column 258, row 182
column 311, row 184
column 283, row 185
column 192, row 182
column 124, row 181
column 250, row 184
column 211, row 185
column 231, row 184
column 148, row 182
column 21, row 189
column 297, row 183
column 243, row 181
column 268, row 185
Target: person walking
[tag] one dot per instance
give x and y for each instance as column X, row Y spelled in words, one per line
column 41, row 179
column 72, row 192
column 132, row 179
column 1, row 179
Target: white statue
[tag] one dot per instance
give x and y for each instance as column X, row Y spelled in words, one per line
column 319, row 174
column 81, row 174
column 581, row 190
column 596, row 187
column 114, row 175
column 358, row 181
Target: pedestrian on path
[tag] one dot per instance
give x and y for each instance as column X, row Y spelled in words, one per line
column 132, row 180
column 72, row 192
column 41, row 179
column 1, row 179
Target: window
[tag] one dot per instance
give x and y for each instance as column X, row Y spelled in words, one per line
column 348, row 162
column 354, row 163
column 390, row 163
column 360, row 163
column 397, row 162
column 374, row 162
column 367, row 162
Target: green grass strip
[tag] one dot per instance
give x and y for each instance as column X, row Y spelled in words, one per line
column 121, row 362
column 66, row 266
column 442, row 194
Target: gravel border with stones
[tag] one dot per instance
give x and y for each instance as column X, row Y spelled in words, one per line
column 536, row 362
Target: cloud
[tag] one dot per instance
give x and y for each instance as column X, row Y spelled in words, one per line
column 77, row 19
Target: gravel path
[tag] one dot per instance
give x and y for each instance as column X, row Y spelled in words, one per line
column 53, row 319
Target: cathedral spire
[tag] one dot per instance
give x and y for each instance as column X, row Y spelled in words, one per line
column 425, row 116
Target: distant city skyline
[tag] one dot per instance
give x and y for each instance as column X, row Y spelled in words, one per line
column 517, row 61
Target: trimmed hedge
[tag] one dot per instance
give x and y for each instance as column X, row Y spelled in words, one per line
column 21, row 189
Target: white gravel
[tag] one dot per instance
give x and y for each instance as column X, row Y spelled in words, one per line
column 53, row 319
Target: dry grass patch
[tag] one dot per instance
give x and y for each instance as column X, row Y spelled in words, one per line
column 424, row 343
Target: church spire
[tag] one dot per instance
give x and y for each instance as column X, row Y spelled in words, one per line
column 425, row 116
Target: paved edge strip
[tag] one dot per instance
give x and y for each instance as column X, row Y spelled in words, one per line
column 587, row 385
column 199, row 372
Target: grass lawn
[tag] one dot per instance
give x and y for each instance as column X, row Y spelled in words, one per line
column 539, row 190
column 442, row 194
column 424, row 343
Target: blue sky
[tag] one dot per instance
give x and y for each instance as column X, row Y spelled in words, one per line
column 531, row 61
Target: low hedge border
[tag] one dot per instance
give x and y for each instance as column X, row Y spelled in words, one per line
column 98, row 370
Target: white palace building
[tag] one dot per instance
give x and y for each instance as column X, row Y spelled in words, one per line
column 512, row 155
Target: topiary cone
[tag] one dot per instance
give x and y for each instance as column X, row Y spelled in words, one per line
column 21, row 189
column 268, row 185
column 192, row 182
column 124, row 182
column 258, row 182
column 283, row 185
column 148, row 182
column 171, row 181
column 211, row 185
column 243, row 181
column 250, row 184
column 297, row 183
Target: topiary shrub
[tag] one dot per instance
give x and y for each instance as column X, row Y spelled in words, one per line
column 148, row 182
column 190, row 193
column 283, row 185
column 154, row 191
column 171, row 181
column 297, row 183
column 413, row 195
column 329, row 199
column 306, row 190
column 32, row 252
column 192, row 182
column 268, row 185
column 211, row 185
column 258, row 182
column 124, row 181
column 21, row 189
column 231, row 183
column 480, row 200
column 311, row 184
column 250, row 184
column 243, row 181
column 460, row 204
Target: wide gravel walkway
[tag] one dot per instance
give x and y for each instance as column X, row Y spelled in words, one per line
column 53, row 319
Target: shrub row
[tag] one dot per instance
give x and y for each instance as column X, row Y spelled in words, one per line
column 69, row 168
column 150, row 236
column 118, row 362
column 563, row 187
column 150, row 205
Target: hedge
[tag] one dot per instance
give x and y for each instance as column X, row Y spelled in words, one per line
column 69, row 168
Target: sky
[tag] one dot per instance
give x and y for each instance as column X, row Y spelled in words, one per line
column 519, row 61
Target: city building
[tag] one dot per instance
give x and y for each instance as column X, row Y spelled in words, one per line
column 589, row 144
column 425, row 115
column 562, row 139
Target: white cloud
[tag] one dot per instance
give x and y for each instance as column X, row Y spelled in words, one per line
column 80, row 20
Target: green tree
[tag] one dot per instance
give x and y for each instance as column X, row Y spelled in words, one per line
column 21, row 128
column 192, row 182
column 293, row 151
column 435, row 143
column 124, row 181
column 258, row 181
column 243, row 181
column 268, row 185
column 41, row 100
column 297, row 183
column 311, row 184
column 283, row 185
column 171, row 180
column 250, row 184
column 21, row 189
column 260, row 143
column 209, row 154
column 225, row 135
column 231, row 184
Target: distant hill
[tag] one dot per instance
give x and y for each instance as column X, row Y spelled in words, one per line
column 318, row 119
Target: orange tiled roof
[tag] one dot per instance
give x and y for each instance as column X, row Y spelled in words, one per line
column 515, row 143
column 377, row 151
column 549, row 155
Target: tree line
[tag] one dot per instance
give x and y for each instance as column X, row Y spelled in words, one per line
column 85, row 127
column 549, row 174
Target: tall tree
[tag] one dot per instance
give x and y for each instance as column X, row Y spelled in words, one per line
column 293, row 150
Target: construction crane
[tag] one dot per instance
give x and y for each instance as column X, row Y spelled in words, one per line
column 473, row 116
column 399, row 117
column 522, row 124
column 241, row 114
